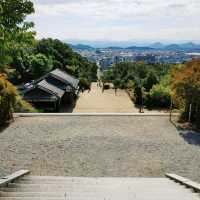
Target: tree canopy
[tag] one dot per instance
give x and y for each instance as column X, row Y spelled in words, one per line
column 149, row 82
column 186, row 89
column 14, row 30
column 23, row 58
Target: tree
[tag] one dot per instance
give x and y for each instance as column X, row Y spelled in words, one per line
column 13, row 28
column 141, row 70
column 186, row 89
column 150, row 81
column 40, row 65
column 22, row 64
column 63, row 57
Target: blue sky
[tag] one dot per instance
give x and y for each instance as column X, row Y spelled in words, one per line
column 118, row 20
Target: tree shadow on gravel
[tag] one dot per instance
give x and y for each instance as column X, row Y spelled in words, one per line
column 190, row 136
column 3, row 127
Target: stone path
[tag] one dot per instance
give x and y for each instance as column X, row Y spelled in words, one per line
column 104, row 102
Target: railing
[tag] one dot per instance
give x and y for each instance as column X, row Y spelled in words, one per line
column 184, row 181
column 10, row 178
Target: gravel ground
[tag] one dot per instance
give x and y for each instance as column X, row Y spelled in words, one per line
column 99, row 146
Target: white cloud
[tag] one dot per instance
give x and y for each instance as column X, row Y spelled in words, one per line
column 91, row 19
column 119, row 8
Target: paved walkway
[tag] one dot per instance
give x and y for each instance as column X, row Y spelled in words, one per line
column 104, row 102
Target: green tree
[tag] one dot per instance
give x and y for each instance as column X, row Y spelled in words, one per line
column 13, row 28
column 22, row 64
column 40, row 65
column 150, row 81
column 63, row 57
column 141, row 70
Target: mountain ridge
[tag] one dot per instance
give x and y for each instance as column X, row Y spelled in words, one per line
column 154, row 46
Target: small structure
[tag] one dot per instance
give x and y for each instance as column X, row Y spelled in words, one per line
column 65, row 78
column 50, row 90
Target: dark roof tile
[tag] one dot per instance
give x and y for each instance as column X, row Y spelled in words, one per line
column 65, row 77
column 50, row 88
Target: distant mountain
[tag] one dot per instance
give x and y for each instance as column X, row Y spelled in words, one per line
column 183, row 47
column 173, row 47
column 114, row 48
column 82, row 47
column 157, row 45
column 188, row 47
column 136, row 48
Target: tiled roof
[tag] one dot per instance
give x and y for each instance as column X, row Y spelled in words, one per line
column 50, row 88
column 65, row 77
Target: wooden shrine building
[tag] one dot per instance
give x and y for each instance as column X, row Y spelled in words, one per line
column 51, row 90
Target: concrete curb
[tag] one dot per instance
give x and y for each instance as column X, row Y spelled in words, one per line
column 10, row 178
column 91, row 114
column 184, row 181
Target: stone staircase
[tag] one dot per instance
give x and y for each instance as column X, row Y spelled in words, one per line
column 68, row 188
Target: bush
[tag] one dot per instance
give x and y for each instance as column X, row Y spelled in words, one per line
column 84, row 84
column 10, row 101
column 23, row 106
column 159, row 96
column 8, row 95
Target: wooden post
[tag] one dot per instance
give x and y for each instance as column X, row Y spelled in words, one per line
column 142, row 102
column 55, row 106
column 190, row 113
column 171, row 108
column 142, row 106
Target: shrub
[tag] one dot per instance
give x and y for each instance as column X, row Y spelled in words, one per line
column 23, row 106
column 10, row 101
column 84, row 84
column 8, row 95
column 159, row 96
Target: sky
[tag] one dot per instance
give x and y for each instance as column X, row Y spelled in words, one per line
column 118, row 20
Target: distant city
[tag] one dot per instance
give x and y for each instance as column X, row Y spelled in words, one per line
column 154, row 53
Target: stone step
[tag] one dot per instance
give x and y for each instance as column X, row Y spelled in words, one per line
column 143, row 196
column 30, row 198
column 77, row 189
column 91, row 181
column 100, row 198
column 102, row 192
column 81, row 188
column 100, row 179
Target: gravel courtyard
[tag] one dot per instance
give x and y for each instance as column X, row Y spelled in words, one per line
column 99, row 146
